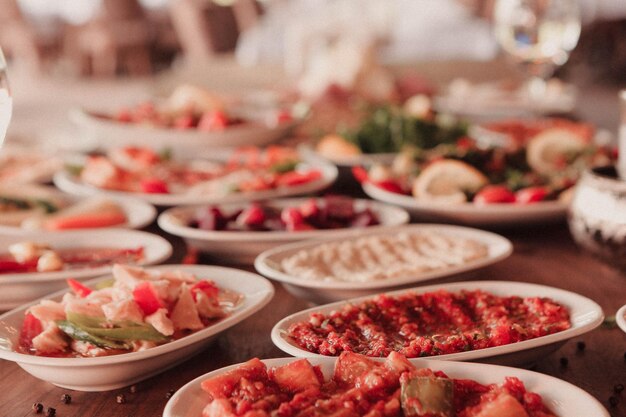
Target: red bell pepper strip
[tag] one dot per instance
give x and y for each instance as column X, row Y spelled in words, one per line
column 80, row 290
column 146, row 297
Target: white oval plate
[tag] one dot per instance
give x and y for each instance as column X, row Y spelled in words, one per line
column 116, row 371
column 71, row 184
column 620, row 318
column 17, row 289
column 110, row 134
column 48, row 162
column 139, row 213
column 268, row 264
column 472, row 214
column 309, row 153
column 243, row 246
column 562, row 398
column 585, row 316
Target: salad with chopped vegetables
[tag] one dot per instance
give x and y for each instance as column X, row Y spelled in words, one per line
column 138, row 309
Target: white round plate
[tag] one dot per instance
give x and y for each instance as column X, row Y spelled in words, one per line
column 310, row 154
column 585, row 316
column 47, row 163
column 139, row 213
column 243, row 247
column 17, row 289
column 116, row 371
column 562, row 398
column 110, row 134
column 71, row 184
column 620, row 318
column 318, row 291
column 493, row 215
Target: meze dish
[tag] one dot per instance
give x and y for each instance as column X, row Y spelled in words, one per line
column 353, row 385
column 96, row 337
column 494, row 321
column 247, row 174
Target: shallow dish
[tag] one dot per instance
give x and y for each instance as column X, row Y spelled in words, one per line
column 562, row 398
column 110, row 134
column 494, row 215
column 243, row 247
column 308, row 152
column 17, row 289
column 71, row 184
column 585, row 316
column 116, row 371
column 620, row 318
column 139, row 213
column 318, row 291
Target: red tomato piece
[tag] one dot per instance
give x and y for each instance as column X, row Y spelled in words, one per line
column 253, row 215
column 291, row 215
column 146, row 297
column 154, row 186
column 531, row 195
column 494, row 194
column 309, row 208
column 184, row 122
column 8, row 266
column 283, row 116
column 389, row 185
column 80, row 290
column 360, row 174
column 124, row 116
column 191, row 257
column 207, row 287
column 297, row 178
column 31, row 327
column 212, row 121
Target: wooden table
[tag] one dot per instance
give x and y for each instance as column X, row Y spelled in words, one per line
column 543, row 255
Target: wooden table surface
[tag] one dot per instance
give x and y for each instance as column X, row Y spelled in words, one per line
column 543, row 255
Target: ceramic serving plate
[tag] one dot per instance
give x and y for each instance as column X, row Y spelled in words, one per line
column 243, row 246
column 308, row 152
column 620, row 318
column 73, row 185
column 562, row 398
column 110, row 134
column 494, row 215
column 17, row 289
column 585, row 316
column 139, row 213
column 116, row 371
column 28, row 163
column 319, row 291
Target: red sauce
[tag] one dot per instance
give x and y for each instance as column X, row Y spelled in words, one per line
column 429, row 324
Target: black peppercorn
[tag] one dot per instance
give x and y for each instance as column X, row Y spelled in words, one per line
column 169, row 394
column 120, row 399
column 613, row 401
column 37, row 407
column 132, row 389
column 564, row 361
column 581, row 346
column 66, row 399
column 618, row 388
column 51, row 412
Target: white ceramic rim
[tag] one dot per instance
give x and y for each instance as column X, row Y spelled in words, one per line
column 499, row 249
column 309, row 153
column 161, row 250
column 167, row 221
column 556, row 393
column 585, row 315
column 236, row 317
column 620, row 318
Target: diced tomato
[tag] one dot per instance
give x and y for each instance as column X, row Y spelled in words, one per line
column 124, row 116
column 253, row 215
column 31, row 327
column 80, row 289
column 494, row 194
column 184, row 122
column 89, row 220
column 191, row 257
column 296, row 376
column 207, row 287
column 297, row 178
column 291, row 215
column 257, row 184
column 221, row 386
column 464, row 143
column 350, row 367
column 389, row 185
column 283, row 116
column 213, row 120
column 309, row 208
column 154, row 186
column 531, row 195
column 146, row 297
column 8, row 266
column 360, row 174
column 299, row 227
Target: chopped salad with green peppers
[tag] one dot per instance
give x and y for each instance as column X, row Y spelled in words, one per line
column 136, row 310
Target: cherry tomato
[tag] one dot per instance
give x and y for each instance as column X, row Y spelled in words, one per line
column 494, row 194
column 531, row 195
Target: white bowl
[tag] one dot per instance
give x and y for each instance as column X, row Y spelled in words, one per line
column 620, row 318
column 71, row 184
column 110, row 134
column 243, row 247
column 17, row 289
column 318, row 291
column 139, row 213
column 562, row 398
column 473, row 214
column 585, row 316
column 116, row 371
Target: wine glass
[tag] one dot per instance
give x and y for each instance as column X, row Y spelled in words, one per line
column 6, row 102
column 539, row 35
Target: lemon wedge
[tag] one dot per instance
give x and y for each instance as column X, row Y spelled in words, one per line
column 547, row 150
column 446, row 181
column 335, row 147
